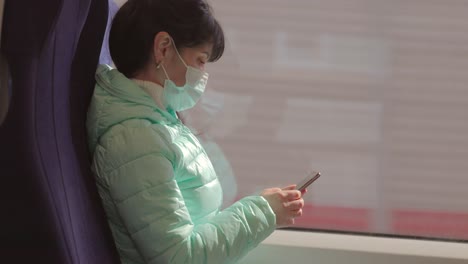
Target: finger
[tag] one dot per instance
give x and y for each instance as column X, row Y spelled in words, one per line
column 292, row 195
column 295, row 205
column 296, row 213
column 304, row 191
column 289, row 187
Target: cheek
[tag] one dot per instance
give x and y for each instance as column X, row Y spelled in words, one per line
column 180, row 75
column 177, row 73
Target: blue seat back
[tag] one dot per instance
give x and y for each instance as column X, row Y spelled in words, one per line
column 51, row 212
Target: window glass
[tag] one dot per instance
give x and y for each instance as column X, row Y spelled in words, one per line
column 372, row 93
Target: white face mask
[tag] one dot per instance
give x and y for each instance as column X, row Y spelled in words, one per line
column 180, row 98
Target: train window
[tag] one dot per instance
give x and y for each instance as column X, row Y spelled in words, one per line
column 371, row 93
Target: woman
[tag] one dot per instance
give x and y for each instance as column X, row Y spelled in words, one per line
column 157, row 185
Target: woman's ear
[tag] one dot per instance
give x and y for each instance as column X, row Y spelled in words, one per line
column 161, row 43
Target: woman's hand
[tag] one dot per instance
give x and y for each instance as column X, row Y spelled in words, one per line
column 287, row 204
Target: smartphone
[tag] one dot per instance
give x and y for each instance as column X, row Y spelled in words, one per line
column 311, row 177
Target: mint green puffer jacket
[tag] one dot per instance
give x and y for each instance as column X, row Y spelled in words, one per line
column 158, row 187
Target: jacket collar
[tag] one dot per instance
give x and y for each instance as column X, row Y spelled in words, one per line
column 152, row 89
column 137, row 91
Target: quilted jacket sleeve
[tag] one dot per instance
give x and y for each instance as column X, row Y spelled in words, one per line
column 142, row 186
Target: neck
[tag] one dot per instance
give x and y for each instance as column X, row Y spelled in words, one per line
column 150, row 74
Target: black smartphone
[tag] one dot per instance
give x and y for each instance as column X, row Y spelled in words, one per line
column 311, row 177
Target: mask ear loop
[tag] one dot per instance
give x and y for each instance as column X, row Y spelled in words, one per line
column 158, row 66
column 178, row 54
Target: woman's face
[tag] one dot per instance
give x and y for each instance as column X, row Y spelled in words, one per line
column 196, row 57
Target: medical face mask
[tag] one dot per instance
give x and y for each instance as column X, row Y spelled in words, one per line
column 181, row 98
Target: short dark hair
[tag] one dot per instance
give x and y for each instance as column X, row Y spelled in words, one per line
column 189, row 22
